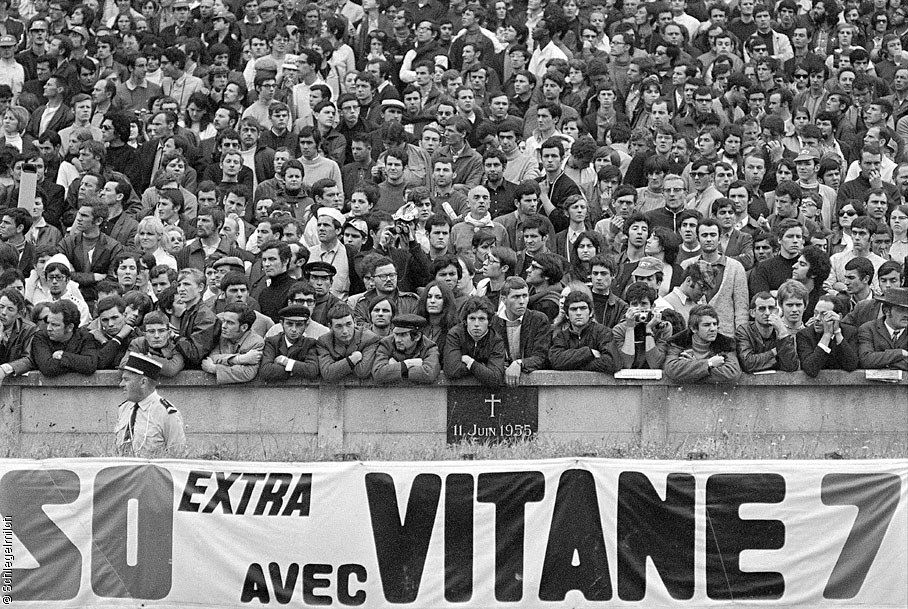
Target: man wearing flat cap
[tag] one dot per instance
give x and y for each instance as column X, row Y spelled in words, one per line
column 146, row 422
column 406, row 355
column 320, row 276
column 883, row 343
column 290, row 353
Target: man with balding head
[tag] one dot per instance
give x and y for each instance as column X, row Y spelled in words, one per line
column 478, row 217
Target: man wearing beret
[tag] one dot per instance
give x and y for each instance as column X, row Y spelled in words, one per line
column 406, row 355
column 290, row 353
column 883, row 343
column 146, row 422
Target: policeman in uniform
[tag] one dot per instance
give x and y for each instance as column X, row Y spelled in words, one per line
column 146, row 423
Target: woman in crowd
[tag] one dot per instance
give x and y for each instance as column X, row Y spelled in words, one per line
column 436, row 305
column 588, row 245
column 150, row 240
column 664, row 245
column 15, row 120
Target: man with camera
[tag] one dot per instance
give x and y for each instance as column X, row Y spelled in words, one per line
column 640, row 339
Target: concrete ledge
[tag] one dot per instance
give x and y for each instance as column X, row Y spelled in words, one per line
column 78, row 413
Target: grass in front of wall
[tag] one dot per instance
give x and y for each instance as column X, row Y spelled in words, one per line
column 718, row 446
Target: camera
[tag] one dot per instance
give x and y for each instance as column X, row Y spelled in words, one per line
column 644, row 317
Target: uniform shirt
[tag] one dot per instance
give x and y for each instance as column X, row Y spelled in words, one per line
column 158, row 425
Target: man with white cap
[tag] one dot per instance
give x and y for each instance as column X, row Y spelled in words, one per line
column 12, row 73
column 331, row 251
column 146, row 422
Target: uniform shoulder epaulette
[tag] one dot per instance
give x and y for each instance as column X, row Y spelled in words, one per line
column 171, row 409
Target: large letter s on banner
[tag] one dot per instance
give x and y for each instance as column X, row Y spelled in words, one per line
column 23, row 495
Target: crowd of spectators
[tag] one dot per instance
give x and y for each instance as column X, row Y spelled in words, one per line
column 388, row 190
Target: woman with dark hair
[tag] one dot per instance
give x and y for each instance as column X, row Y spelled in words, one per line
column 199, row 115
column 586, row 247
column 151, row 14
column 136, row 133
column 664, row 244
column 124, row 23
column 650, row 91
column 436, row 305
column 499, row 16
column 841, row 236
column 877, row 28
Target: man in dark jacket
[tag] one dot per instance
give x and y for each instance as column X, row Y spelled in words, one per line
column 114, row 332
column 272, row 294
column 765, row 343
column 90, row 251
column 527, row 335
column 18, row 332
column 700, row 353
column 608, row 309
column 290, row 353
column 823, row 345
column 406, row 355
column 544, row 278
column 196, row 323
column 63, row 346
column 382, row 269
column 583, row 344
column 346, row 351
column 473, row 348
column 320, row 276
column 884, row 343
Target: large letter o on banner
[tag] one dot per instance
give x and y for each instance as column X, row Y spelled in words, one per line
column 150, row 577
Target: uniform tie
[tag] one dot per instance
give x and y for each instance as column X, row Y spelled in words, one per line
column 130, row 429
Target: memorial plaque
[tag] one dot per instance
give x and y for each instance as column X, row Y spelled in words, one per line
column 492, row 415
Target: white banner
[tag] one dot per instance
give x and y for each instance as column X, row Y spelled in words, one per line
column 557, row 533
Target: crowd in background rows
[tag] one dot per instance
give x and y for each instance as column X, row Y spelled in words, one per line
column 385, row 190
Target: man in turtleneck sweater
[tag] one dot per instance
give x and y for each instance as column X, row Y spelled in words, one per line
column 479, row 200
column 272, row 294
column 315, row 164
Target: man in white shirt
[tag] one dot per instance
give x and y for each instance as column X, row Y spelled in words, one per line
column 545, row 50
column 331, row 250
column 11, row 72
column 176, row 82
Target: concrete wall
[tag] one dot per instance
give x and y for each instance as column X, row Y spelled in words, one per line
column 790, row 412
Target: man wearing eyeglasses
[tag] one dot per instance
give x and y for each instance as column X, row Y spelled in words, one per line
column 384, row 275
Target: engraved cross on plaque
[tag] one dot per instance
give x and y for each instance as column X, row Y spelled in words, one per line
column 491, row 402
